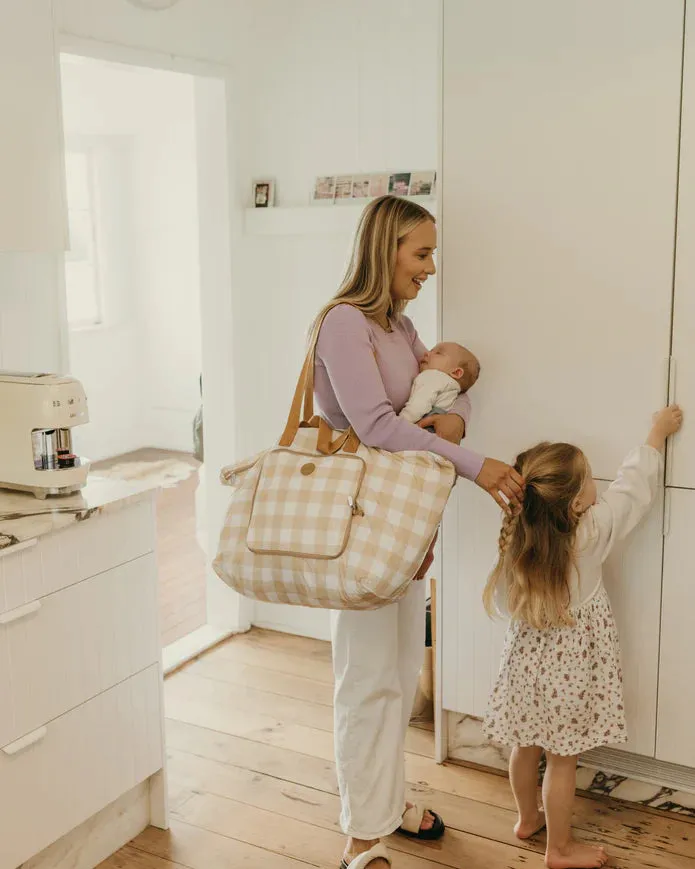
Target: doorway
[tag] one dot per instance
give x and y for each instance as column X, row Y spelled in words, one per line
column 138, row 146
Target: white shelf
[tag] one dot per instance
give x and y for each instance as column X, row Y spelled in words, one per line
column 336, row 219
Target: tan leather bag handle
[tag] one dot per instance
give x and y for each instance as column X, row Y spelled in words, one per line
column 302, row 409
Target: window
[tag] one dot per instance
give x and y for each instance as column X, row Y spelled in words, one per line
column 81, row 261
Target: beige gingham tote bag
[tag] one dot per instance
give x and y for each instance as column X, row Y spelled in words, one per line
column 323, row 521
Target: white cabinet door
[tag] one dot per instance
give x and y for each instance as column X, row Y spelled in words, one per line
column 32, row 209
column 681, row 458
column 472, row 643
column 675, row 742
column 632, row 576
column 559, row 165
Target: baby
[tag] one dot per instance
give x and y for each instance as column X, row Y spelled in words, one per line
column 445, row 371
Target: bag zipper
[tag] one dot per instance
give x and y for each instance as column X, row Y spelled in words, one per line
column 355, row 507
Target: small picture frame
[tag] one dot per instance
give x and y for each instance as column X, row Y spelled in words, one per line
column 324, row 189
column 399, row 183
column 360, row 186
column 263, row 193
column 343, row 188
column 422, row 183
column 379, row 184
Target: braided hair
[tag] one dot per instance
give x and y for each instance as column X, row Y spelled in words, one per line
column 508, row 530
column 536, row 542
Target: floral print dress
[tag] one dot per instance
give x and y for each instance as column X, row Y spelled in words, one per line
column 562, row 689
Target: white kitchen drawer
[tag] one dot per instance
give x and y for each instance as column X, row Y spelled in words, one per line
column 60, row 650
column 63, row 774
column 81, row 550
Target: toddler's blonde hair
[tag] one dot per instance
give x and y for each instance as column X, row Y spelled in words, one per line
column 536, row 543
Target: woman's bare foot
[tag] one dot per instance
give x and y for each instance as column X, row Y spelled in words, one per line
column 427, row 819
column 576, row 856
column 527, row 828
column 355, row 847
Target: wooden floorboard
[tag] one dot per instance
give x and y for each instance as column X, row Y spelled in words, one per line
column 252, row 780
column 232, row 709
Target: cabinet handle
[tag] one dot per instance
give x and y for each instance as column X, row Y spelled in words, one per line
column 666, row 522
column 25, row 742
column 20, row 613
column 18, row 547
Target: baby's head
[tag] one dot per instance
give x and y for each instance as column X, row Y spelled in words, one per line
column 454, row 360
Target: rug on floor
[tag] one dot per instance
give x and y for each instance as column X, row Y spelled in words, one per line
column 163, row 473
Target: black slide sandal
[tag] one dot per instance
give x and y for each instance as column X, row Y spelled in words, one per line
column 412, row 820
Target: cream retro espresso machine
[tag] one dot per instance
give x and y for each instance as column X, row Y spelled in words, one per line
column 37, row 415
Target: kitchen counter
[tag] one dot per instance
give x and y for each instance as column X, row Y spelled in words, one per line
column 25, row 517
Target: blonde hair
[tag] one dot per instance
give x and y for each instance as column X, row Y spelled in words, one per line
column 536, row 543
column 384, row 224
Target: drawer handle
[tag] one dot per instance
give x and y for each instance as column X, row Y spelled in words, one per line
column 20, row 613
column 18, row 547
column 25, row 742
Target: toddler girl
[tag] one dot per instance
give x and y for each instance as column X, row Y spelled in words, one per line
column 559, row 689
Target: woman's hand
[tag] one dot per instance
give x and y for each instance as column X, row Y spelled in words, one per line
column 502, row 481
column 448, row 426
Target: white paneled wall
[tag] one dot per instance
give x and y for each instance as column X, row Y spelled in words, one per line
column 353, row 102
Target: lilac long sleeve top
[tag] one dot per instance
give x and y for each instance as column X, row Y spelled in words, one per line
column 363, row 378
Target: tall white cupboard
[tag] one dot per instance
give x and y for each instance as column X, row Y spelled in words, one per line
column 568, row 265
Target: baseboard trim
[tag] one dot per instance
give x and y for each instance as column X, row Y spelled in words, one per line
column 176, row 654
column 101, row 836
column 645, row 769
column 606, row 772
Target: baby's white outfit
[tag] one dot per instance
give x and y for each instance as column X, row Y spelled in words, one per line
column 562, row 688
column 432, row 390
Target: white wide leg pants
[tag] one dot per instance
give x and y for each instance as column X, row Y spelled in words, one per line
column 377, row 657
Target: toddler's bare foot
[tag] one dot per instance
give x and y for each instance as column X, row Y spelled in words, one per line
column 527, row 828
column 576, row 856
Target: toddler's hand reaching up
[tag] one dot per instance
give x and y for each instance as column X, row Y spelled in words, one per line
column 665, row 423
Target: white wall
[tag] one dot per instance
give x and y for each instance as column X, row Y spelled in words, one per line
column 140, row 367
column 342, row 88
column 31, row 312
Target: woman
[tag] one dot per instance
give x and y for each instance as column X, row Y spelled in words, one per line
column 366, row 359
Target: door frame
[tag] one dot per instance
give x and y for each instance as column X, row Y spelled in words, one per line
column 218, row 125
